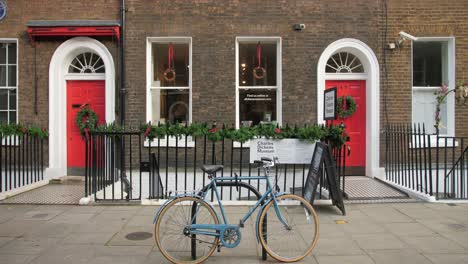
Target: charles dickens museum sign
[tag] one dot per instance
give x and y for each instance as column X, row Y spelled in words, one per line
column 288, row 151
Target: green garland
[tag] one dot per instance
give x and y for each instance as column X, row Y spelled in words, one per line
column 350, row 106
column 21, row 130
column 311, row 133
column 90, row 122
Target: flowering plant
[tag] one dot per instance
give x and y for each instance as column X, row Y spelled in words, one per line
column 461, row 91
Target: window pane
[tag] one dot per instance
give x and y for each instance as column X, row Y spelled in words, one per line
column 11, row 75
column 3, row 47
column 170, row 106
column 12, row 99
column 257, row 105
column 3, row 76
column 3, row 117
column 3, row 99
column 179, row 64
column 248, row 61
column 424, row 106
column 427, row 63
column 12, row 117
column 12, row 53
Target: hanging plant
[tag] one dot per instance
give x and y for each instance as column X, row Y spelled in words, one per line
column 347, row 108
column 86, row 118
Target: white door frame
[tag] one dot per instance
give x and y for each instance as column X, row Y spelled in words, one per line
column 58, row 74
column 371, row 68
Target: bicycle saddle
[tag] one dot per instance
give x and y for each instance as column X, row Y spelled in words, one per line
column 211, row 169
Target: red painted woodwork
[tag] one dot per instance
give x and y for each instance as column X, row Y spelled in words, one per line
column 78, row 94
column 355, row 124
column 68, row 31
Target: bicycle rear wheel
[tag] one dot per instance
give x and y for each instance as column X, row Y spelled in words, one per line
column 294, row 241
column 173, row 236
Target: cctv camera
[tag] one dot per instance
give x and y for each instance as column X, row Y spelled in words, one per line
column 299, row 27
column 408, row 36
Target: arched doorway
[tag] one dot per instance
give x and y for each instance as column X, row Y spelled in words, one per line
column 352, row 67
column 81, row 73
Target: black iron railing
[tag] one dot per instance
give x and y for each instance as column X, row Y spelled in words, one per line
column 21, row 161
column 426, row 163
column 162, row 168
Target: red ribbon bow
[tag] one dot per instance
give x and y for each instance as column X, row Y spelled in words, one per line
column 259, row 53
column 170, row 56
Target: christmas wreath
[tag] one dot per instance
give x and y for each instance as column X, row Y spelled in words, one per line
column 345, row 108
column 86, row 118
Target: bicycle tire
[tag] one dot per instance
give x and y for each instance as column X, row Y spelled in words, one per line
column 275, row 237
column 174, row 251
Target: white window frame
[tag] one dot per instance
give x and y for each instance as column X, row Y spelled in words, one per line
column 278, row 86
column 450, row 71
column 149, row 85
column 12, row 40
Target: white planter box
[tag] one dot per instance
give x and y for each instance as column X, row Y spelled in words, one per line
column 288, row 151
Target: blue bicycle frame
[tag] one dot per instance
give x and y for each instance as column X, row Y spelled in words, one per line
column 217, row 229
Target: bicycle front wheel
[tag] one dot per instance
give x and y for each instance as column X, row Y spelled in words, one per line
column 172, row 232
column 294, row 239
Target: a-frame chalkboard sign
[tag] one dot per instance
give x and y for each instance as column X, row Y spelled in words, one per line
column 322, row 155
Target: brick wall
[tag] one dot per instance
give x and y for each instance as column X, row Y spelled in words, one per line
column 214, row 25
column 429, row 18
column 14, row 26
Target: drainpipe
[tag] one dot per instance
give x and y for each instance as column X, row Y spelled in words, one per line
column 123, row 90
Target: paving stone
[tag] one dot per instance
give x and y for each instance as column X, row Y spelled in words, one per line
column 87, row 209
column 331, row 231
column 337, row 246
column 379, row 241
column 141, row 220
column 122, row 250
column 408, row 229
column 405, row 256
column 444, row 226
column 5, row 240
column 17, row 228
column 112, row 217
column 71, row 218
column 448, row 258
column 117, row 260
column 423, row 213
column 362, row 227
column 148, row 210
column 88, row 238
column 388, row 215
column 433, row 244
column 461, row 238
column 362, row 259
column 16, row 259
column 49, row 229
column 28, row 246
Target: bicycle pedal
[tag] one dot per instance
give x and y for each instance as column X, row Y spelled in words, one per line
column 219, row 248
column 241, row 223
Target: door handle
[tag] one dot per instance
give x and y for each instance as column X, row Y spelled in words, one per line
column 76, row 105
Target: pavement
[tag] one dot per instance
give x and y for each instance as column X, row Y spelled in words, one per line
column 369, row 233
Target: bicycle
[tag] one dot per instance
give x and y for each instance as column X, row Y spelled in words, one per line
column 187, row 228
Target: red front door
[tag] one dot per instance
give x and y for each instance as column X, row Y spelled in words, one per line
column 80, row 93
column 355, row 124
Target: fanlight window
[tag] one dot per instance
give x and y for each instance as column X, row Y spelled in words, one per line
column 87, row 62
column 344, row 62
